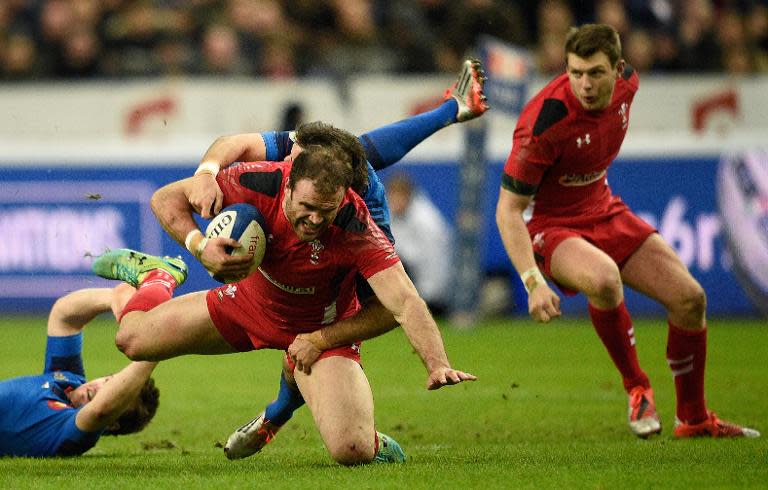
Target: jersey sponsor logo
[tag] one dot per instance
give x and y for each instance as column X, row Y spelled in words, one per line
column 576, row 180
column 287, row 287
column 57, row 405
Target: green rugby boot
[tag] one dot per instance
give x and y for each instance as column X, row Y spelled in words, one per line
column 131, row 266
column 389, row 450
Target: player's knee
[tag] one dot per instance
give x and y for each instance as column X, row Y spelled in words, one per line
column 128, row 344
column 352, row 452
column 607, row 285
column 693, row 300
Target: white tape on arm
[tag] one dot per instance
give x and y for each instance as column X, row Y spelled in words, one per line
column 188, row 241
column 208, row 168
column 532, row 278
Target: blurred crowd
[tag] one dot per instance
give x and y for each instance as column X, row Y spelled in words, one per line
column 74, row 39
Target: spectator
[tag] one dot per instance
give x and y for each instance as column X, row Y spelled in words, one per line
column 296, row 38
column 293, row 117
column 423, row 241
column 19, row 58
column 638, row 50
column 221, row 52
column 699, row 50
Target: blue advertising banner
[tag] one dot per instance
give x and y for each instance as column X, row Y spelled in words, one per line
column 52, row 219
column 676, row 195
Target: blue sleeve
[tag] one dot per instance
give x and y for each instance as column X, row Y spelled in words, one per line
column 278, row 144
column 64, row 354
column 376, row 200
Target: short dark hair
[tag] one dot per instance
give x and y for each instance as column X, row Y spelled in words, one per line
column 589, row 39
column 138, row 416
column 327, row 135
column 328, row 168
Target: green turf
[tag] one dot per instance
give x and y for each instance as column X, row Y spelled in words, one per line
column 547, row 412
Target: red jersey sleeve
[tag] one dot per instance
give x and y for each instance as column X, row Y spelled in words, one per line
column 532, row 151
column 372, row 251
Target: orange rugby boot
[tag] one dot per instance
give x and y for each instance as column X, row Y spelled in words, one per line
column 713, row 427
column 643, row 419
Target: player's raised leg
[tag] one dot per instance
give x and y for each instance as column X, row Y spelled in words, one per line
column 463, row 101
column 153, row 326
column 656, row 271
column 580, row 266
column 468, row 91
column 339, row 396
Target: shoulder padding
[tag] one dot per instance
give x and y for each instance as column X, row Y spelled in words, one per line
column 347, row 219
column 552, row 111
column 267, row 183
column 628, row 71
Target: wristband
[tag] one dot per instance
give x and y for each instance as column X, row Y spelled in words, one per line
column 200, row 247
column 532, row 278
column 190, row 236
column 208, row 168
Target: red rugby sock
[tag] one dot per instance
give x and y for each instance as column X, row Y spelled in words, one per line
column 157, row 287
column 614, row 327
column 687, row 356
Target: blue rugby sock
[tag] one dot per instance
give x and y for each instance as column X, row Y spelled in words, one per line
column 288, row 400
column 389, row 144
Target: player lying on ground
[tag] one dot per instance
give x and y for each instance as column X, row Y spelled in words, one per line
column 384, row 146
column 321, row 236
column 59, row 413
column 588, row 241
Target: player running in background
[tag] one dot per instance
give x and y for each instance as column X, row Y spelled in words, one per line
column 587, row 240
column 384, row 146
column 321, row 235
column 59, row 413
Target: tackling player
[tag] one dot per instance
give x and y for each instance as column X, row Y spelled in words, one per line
column 59, row 413
column 320, row 236
column 587, row 240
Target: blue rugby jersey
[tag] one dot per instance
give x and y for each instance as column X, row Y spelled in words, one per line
column 36, row 417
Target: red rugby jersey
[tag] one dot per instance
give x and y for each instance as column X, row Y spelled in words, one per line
column 301, row 285
column 561, row 151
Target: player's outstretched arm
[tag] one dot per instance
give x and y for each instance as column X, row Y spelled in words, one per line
column 397, row 293
column 174, row 212
column 205, row 195
column 543, row 303
column 115, row 397
column 70, row 313
column 371, row 321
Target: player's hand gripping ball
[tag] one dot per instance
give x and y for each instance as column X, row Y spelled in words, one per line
column 244, row 223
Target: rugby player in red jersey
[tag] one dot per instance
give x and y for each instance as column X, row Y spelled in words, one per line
column 320, row 236
column 587, row 240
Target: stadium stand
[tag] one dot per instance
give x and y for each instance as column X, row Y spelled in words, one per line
column 84, row 39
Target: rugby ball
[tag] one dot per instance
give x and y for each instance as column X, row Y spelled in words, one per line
column 742, row 197
column 244, row 223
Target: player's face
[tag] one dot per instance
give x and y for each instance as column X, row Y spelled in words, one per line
column 309, row 212
column 593, row 79
column 85, row 392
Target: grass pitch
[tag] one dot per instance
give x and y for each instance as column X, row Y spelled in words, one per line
column 548, row 411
